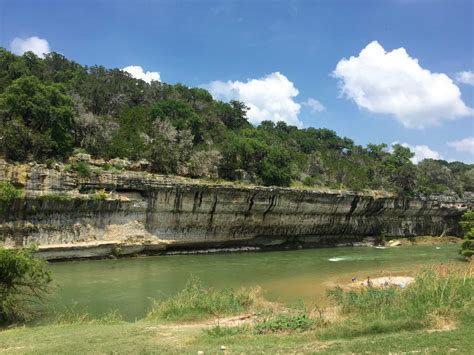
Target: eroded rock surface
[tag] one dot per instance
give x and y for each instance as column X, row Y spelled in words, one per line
column 141, row 212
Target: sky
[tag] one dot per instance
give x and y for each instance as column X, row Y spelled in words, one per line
column 381, row 71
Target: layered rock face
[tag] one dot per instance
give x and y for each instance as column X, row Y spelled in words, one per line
column 138, row 212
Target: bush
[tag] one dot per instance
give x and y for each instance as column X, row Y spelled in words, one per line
column 8, row 193
column 100, row 195
column 81, row 168
column 23, row 281
column 467, row 225
column 287, row 323
column 195, row 302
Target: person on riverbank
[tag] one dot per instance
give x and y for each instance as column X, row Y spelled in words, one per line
column 369, row 282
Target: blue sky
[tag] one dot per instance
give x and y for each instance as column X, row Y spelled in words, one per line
column 277, row 55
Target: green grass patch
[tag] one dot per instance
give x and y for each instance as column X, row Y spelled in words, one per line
column 195, row 302
column 55, row 197
column 299, row 322
column 437, row 295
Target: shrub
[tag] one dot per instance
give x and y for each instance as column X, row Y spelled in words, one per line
column 100, row 195
column 8, row 193
column 23, row 281
column 287, row 323
column 196, row 302
column 467, row 225
column 81, row 168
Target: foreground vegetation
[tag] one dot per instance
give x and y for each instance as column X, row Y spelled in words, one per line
column 467, row 226
column 23, row 282
column 434, row 314
column 51, row 107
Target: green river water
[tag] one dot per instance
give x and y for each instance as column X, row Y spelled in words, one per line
column 129, row 285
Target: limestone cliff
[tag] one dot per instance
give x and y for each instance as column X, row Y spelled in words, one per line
column 139, row 212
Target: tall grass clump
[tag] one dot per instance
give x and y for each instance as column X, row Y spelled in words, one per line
column 73, row 316
column 445, row 292
column 195, row 302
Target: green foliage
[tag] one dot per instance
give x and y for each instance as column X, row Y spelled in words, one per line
column 195, row 302
column 287, row 323
column 55, row 198
column 81, row 168
column 8, row 192
column 100, row 195
column 73, row 316
column 52, row 105
column 467, row 225
column 42, row 108
column 23, row 281
column 443, row 292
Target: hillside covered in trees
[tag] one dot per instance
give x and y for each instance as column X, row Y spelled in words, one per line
column 53, row 107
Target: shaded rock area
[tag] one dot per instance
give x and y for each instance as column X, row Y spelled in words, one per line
column 129, row 212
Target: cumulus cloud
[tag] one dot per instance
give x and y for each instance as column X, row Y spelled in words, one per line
column 463, row 145
column 270, row 98
column 38, row 46
column 138, row 73
column 314, row 105
column 465, row 77
column 421, row 152
column 394, row 83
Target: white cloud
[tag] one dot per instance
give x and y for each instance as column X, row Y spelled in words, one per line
column 269, row 98
column 394, row 83
column 421, row 152
column 38, row 46
column 465, row 77
column 138, row 73
column 463, row 145
column 314, row 105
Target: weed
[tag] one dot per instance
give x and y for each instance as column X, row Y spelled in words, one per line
column 100, row 195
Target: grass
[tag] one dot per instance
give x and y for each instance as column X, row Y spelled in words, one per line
column 195, row 302
column 55, row 197
column 445, row 291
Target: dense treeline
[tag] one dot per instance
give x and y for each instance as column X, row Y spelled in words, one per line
column 50, row 107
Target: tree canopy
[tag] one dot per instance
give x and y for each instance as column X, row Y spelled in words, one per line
column 51, row 106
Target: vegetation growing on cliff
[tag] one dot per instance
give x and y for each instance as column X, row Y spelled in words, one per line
column 467, row 225
column 51, row 106
column 8, row 193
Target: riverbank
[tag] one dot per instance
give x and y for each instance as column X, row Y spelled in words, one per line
column 441, row 323
column 117, row 249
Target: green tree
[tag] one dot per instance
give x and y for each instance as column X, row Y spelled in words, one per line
column 467, row 226
column 43, row 109
column 23, row 281
column 400, row 170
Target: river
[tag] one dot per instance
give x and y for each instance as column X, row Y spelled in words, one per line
column 129, row 285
